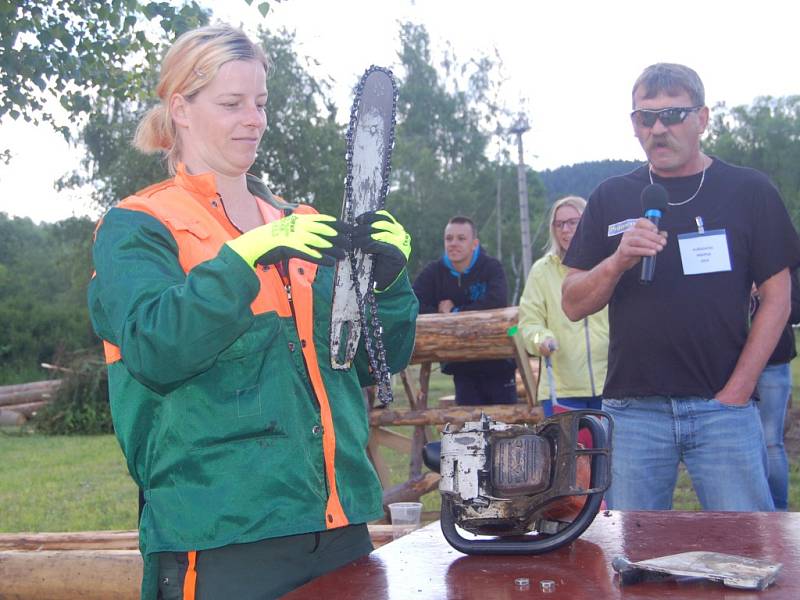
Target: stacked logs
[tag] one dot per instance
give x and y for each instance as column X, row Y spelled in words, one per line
column 18, row 403
column 88, row 565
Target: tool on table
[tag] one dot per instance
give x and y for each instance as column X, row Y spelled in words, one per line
column 734, row 571
column 531, row 488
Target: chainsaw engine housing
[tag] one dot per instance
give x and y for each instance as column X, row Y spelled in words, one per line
column 510, row 480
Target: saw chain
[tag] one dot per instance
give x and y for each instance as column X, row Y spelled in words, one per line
column 369, row 143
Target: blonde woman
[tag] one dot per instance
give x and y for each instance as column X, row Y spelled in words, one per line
column 213, row 299
column 578, row 351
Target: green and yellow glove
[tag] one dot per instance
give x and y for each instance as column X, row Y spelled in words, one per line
column 313, row 237
column 378, row 233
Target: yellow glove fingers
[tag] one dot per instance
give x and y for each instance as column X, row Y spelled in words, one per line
column 320, row 230
column 389, row 237
column 305, row 233
column 392, row 227
column 394, row 234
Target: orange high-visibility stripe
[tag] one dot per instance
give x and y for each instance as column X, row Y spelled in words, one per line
column 190, row 580
column 200, row 234
column 112, row 352
column 302, row 294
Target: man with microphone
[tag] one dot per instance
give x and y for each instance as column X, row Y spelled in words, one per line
column 673, row 249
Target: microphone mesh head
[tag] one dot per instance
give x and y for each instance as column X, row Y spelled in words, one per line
column 655, row 197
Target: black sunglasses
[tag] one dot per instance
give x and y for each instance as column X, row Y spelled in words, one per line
column 668, row 116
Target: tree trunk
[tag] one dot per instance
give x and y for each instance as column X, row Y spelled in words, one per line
column 71, row 574
column 28, row 392
column 27, row 409
column 11, row 417
column 467, row 336
column 96, row 541
column 507, row 413
column 76, row 540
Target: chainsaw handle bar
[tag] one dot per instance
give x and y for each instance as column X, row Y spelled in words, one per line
column 538, row 544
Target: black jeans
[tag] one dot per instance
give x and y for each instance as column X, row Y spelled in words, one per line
column 262, row 570
column 485, row 389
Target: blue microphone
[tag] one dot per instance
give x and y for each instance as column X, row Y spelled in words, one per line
column 654, row 203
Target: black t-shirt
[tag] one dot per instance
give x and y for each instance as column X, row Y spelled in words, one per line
column 682, row 334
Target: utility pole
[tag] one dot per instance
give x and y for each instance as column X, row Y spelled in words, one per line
column 518, row 128
column 498, row 211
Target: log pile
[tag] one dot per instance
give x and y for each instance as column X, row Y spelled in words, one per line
column 20, row 402
column 87, row 565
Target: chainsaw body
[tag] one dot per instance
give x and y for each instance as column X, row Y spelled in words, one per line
column 532, row 488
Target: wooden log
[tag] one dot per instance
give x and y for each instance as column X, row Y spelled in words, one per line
column 74, row 540
column 100, row 540
column 28, row 392
column 411, row 490
column 70, row 574
column 28, row 409
column 376, row 458
column 507, row 413
column 391, row 439
column 467, row 336
column 380, row 534
column 21, row 387
column 11, row 417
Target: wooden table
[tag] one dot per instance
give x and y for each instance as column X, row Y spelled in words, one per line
column 424, row 565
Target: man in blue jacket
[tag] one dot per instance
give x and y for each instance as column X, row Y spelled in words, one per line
column 466, row 278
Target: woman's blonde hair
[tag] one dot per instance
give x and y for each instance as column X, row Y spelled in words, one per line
column 576, row 202
column 189, row 65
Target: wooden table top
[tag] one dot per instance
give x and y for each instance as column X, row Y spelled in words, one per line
column 423, row 565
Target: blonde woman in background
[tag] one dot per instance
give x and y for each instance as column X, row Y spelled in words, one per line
column 578, row 350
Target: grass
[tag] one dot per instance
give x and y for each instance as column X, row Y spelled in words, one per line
column 59, row 483
column 80, row 483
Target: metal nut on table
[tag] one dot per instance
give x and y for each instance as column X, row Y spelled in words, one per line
column 548, row 585
column 522, row 582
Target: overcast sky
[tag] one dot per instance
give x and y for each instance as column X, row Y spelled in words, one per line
column 569, row 64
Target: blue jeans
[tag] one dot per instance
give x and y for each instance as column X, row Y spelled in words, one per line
column 722, row 447
column 773, row 390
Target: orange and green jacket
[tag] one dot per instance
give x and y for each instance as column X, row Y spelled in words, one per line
column 223, row 398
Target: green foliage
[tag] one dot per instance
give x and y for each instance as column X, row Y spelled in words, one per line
column 764, row 136
column 113, row 168
column 44, row 271
column 440, row 165
column 78, row 50
column 81, row 404
column 301, row 155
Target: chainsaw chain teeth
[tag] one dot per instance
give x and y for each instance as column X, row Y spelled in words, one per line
column 370, row 323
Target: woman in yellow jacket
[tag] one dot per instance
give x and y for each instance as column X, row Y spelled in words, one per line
column 578, row 350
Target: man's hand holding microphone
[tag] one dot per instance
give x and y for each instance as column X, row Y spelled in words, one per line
column 644, row 240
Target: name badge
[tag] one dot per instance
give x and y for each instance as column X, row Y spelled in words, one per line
column 621, row 227
column 705, row 252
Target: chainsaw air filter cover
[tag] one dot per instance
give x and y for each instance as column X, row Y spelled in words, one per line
column 521, row 465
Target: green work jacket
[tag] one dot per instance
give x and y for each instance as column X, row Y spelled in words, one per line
column 223, row 398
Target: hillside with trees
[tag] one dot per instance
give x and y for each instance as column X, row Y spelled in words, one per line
column 581, row 178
